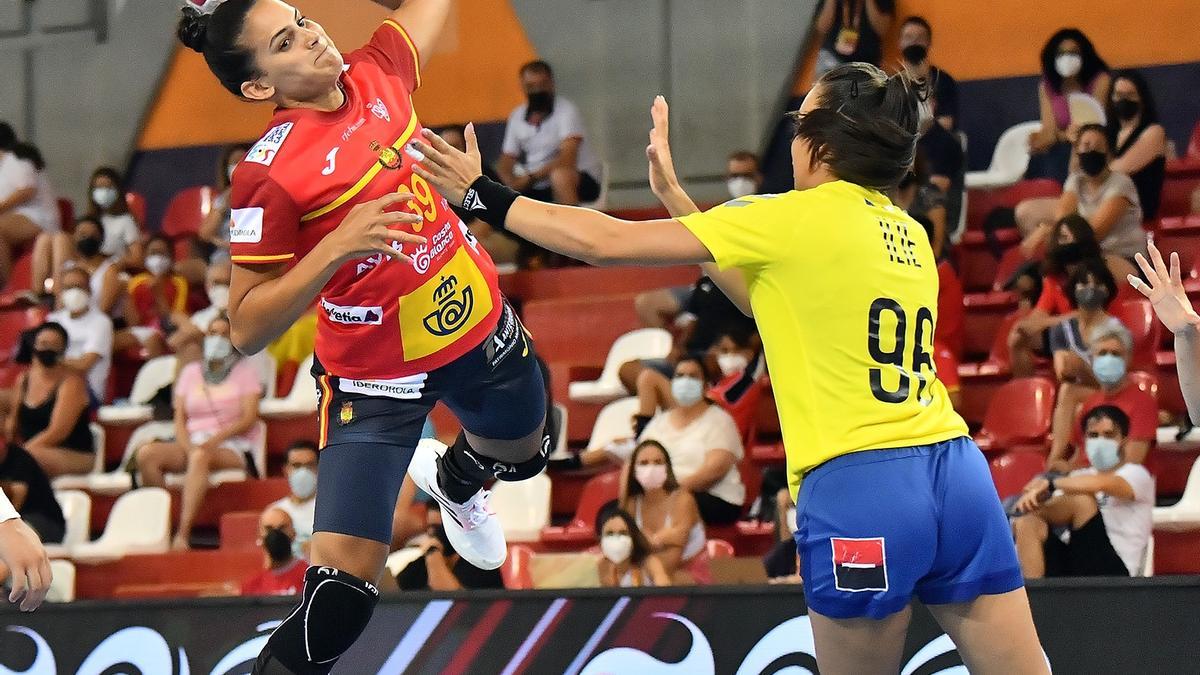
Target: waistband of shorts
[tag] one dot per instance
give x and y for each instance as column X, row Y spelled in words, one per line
column 860, row 457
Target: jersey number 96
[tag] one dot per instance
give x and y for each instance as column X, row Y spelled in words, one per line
column 921, row 353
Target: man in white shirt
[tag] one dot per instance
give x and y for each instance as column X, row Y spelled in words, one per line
column 22, row 555
column 89, row 331
column 546, row 154
column 301, row 502
column 1106, row 508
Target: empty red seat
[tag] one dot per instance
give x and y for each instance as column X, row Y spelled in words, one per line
column 574, row 282
column 20, row 276
column 976, row 263
column 949, row 332
column 988, row 320
column 1018, row 415
column 1171, row 465
column 1177, row 195
column 1176, row 552
column 1138, row 317
column 186, row 210
column 1013, row 470
column 239, row 529
column 1147, row 382
column 981, row 202
column 579, row 331
column 598, row 491
column 1182, row 240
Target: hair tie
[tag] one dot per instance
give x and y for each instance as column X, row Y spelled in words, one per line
column 853, row 88
column 205, row 7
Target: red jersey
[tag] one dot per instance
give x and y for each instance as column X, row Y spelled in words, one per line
column 286, row 581
column 175, row 288
column 378, row 318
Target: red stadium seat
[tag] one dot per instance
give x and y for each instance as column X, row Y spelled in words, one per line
column 1013, row 470
column 1147, row 382
column 976, row 263
column 719, row 548
column 987, row 315
column 949, row 330
column 20, row 277
column 186, row 211
column 516, row 571
column 1018, row 415
column 239, row 529
column 574, row 282
column 175, row 574
column 66, row 212
column 598, row 491
column 1171, row 465
column 137, row 207
column 1182, row 240
column 1170, row 396
column 1175, row 552
column 1177, row 195
column 981, row 202
column 579, row 331
column 1138, row 317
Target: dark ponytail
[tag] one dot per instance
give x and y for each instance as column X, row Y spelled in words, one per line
column 215, row 35
column 866, row 125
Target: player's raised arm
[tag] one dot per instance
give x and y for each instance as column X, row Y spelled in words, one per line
column 422, row 19
column 1165, row 292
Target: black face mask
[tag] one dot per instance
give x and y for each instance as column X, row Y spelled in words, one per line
column 1091, row 297
column 1066, row 254
column 88, row 246
column 1126, row 108
column 540, row 101
column 914, row 54
column 277, row 544
column 1093, row 162
column 47, row 357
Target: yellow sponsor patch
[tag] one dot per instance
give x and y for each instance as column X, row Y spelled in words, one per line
column 444, row 308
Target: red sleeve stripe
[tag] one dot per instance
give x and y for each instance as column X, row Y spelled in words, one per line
column 411, row 46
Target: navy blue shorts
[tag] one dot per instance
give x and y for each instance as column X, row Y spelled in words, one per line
column 877, row 527
column 369, row 428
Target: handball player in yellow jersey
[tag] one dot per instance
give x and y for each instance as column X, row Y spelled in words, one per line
column 894, row 501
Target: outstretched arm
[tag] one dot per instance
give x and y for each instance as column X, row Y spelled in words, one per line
column 422, row 19
column 22, row 552
column 1171, row 304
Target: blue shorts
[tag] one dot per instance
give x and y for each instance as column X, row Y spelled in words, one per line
column 369, row 428
column 877, row 527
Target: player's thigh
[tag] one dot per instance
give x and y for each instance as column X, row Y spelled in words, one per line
column 994, row 634
column 860, row 646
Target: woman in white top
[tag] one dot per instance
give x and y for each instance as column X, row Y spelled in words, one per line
column 666, row 513
column 627, row 559
column 28, row 206
column 108, row 201
column 704, row 444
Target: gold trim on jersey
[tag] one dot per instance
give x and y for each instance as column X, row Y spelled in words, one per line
column 416, row 54
column 376, row 167
column 262, row 258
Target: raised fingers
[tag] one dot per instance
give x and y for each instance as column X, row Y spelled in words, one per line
column 1147, row 270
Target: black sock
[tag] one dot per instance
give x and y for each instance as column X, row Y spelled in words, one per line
column 639, row 424
column 461, row 472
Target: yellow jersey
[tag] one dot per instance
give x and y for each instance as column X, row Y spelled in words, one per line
column 844, row 289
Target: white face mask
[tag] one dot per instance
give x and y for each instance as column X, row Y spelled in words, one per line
column 104, row 197
column 791, row 519
column 219, row 296
column 75, row 300
column 217, row 348
column 303, row 482
column 616, row 547
column 687, row 390
column 158, row 264
column 650, row 476
column 740, row 186
column 733, row 362
column 1102, row 453
column 1068, row 65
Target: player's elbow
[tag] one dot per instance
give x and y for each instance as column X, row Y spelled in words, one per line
column 245, row 341
column 605, row 246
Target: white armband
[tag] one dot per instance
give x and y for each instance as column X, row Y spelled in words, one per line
column 7, row 512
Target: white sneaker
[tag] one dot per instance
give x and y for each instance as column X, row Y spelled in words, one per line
column 472, row 529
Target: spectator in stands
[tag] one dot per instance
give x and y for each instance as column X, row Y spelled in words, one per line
column 1070, row 65
column 781, row 561
column 1107, row 507
column 946, row 166
column 190, row 330
column 89, row 332
column 501, row 245
column 1111, row 346
column 664, row 511
column 213, row 234
column 108, row 202
column 704, row 444
column 628, row 560
column 1139, row 142
column 743, row 174
column 155, row 296
column 108, row 281
column 916, row 38
column 301, row 502
column 283, row 571
column 546, row 153
column 28, row 206
column 28, row 488
column 51, row 420
column 216, row 411
column 739, row 358
column 926, row 203
column 850, row 30
column 440, row 568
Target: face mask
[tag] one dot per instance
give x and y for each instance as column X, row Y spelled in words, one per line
column 104, row 197
column 540, row 101
column 157, row 264
column 217, row 348
column 740, row 186
column 1109, row 369
column 219, row 296
column 1103, row 453
column 47, row 357
column 1091, row 297
column 915, row 54
column 1066, row 254
column 1126, row 109
column 1068, row 65
column 686, row 390
column 650, row 476
column 75, row 300
column 731, row 363
column 791, row 519
column 616, row 547
column 277, row 544
column 88, row 246
column 303, row 482
column 1093, row 162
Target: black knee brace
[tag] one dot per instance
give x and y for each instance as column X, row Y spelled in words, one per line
column 463, row 470
column 333, row 612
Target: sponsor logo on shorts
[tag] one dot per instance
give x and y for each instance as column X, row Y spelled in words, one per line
column 454, row 306
column 859, row 564
column 404, row 388
column 246, row 225
column 367, row 316
column 267, row 147
column 504, row 338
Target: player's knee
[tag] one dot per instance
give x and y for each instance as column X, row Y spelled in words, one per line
column 526, row 469
column 310, row 642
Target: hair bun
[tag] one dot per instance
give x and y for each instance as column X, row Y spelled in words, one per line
column 193, row 28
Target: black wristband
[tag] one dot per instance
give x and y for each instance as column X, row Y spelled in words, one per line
column 489, row 201
column 1050, row 484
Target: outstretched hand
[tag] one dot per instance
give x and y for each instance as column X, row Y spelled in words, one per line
column 662, row 166
column 449, row 169
column 1165, row 291
column 28, row 565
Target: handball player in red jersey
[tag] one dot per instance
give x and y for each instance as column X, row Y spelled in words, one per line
column 326, row 210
